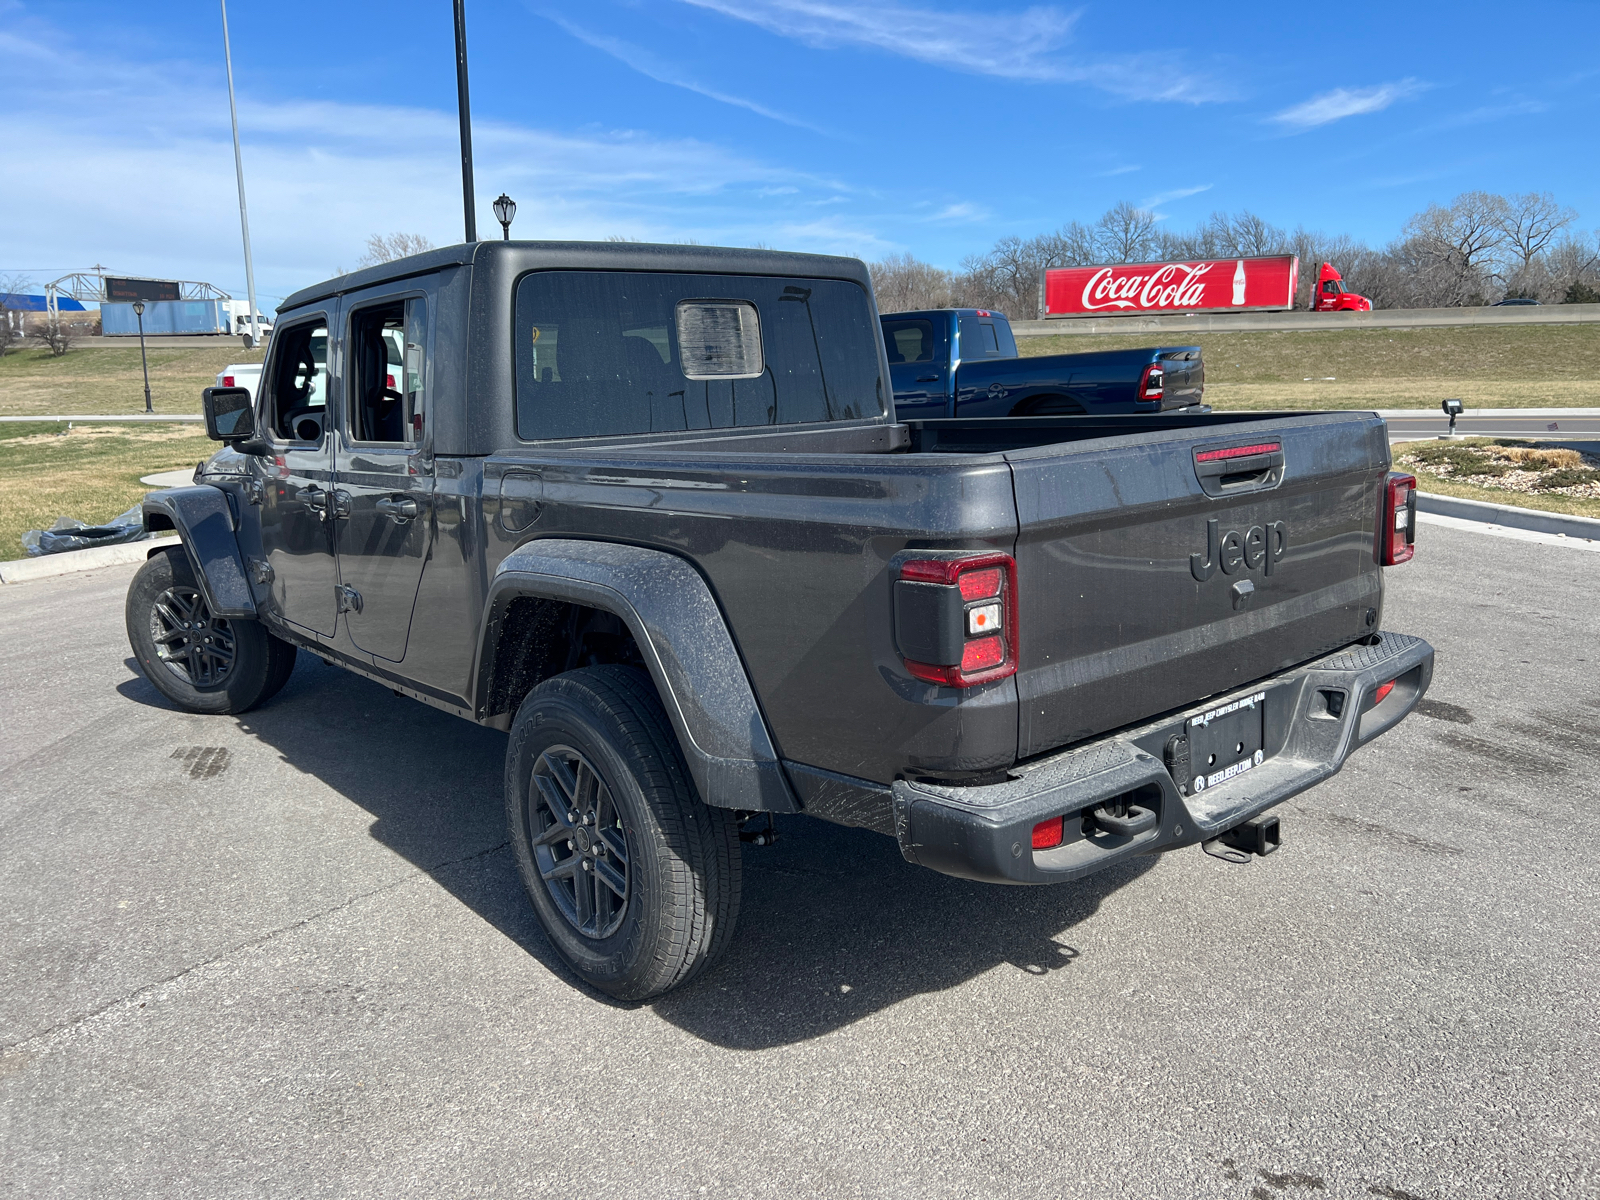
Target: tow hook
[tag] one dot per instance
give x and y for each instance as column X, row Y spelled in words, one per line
column 1123, row 818
column 1258, row 836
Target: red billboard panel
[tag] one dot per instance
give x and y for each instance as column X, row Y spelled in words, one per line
column 1214, row 285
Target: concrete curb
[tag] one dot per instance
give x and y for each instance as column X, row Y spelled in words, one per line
column 1587, row 528
column 69, row 561
column 106, row 419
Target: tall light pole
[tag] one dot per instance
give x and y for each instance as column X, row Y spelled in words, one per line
column 138, row 311
column 465, row 110
column 238, row 168
column 505, row 211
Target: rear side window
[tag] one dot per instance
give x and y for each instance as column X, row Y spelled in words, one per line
column 978, row 339
column 909, row 341
column 613, row 352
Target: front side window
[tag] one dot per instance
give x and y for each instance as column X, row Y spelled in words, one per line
column 298, row 396
column 615, row 352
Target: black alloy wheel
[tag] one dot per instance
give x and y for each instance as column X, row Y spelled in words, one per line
column 199, row 661
column 189, row 641
column 579, row 842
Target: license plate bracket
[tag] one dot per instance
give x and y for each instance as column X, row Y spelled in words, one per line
column 1226, row 741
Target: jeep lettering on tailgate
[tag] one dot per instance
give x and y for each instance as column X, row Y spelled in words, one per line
column 1258, row 546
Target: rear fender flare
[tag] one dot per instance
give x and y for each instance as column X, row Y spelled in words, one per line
column 203, row 518
column 685, row 643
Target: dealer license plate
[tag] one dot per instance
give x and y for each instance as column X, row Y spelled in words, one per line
column 1226, row 741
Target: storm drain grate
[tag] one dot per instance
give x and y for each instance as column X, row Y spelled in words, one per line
column 203, row 762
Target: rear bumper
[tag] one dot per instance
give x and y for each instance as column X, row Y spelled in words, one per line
column 985, row 833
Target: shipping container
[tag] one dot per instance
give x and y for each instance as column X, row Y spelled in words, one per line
column 166, row 318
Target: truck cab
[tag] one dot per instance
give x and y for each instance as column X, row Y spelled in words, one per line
column 1333, row 296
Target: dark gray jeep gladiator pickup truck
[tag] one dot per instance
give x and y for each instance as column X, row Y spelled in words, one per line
column 647, row 508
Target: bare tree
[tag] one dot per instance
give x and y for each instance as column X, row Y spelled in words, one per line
column 1126, row 233
column 12, row 319
column 1455, row 248
column 382, row 248
column 902, row 283
column 1530, row 223
column 56, row 338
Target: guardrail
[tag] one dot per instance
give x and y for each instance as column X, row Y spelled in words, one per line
column 1301, row 321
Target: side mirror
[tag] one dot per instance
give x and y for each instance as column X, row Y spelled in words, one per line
column 230, row 414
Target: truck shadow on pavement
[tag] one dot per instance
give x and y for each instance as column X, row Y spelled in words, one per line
column 835, row 925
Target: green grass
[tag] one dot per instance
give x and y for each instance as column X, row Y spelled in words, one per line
column 97, row 382
column 1465, row 452
column 1522, row 366
column 91, row 473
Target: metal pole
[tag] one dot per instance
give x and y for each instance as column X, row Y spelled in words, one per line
column 145, row 363
column 466, row 120
column 238, row 168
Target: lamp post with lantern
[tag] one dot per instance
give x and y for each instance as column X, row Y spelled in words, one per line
column 138, row 311
column 505, row 211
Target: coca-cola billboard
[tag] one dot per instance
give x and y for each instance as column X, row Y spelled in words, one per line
column 1209, row 285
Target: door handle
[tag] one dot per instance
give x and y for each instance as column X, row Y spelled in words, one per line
column 313, row 498
column 398, row 509
column 927, row 379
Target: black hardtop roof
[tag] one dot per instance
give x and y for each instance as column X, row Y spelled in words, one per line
column 593, row 256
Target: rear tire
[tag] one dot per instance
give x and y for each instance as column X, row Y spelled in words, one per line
column 635, row 881
column 201, row 662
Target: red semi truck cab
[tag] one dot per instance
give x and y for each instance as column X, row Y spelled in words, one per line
column 1332, row 296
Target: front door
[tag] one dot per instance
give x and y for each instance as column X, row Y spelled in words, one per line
column 384, row 473
column 296, row 504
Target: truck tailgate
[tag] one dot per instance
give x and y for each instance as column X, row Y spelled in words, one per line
column 1132, row 604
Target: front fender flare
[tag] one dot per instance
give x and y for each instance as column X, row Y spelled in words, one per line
column 685, row 643
column 202, row 517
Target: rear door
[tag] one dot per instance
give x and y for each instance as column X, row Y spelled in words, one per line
column 1156, row 569
column 919, row 366
column 383, row 468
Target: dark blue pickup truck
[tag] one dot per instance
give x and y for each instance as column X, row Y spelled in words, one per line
column 962, row 362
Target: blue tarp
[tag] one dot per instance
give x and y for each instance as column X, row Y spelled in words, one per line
column 17, row 302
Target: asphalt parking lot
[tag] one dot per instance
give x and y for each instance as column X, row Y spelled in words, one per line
column 287, row 955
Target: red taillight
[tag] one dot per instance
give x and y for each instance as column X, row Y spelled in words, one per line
column 979, row 585
column 977, row 619
column 1152, row 383
column 1047, row 834
column 1383, row 690
column 388, row 382
column 227, row 381
column 1397, row 520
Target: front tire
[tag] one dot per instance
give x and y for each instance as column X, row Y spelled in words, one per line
column 201, row 662
column 635, row 881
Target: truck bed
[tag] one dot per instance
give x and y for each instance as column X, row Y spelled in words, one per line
column 798, row 532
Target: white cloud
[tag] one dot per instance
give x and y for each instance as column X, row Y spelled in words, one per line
column 139, row 176
column 1346, row 102
column 1176, row 194
column 1025, row 46
column 648, row 64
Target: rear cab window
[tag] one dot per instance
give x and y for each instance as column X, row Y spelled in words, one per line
column 611, row 352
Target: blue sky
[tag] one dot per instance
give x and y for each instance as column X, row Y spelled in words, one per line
column 934, row 126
